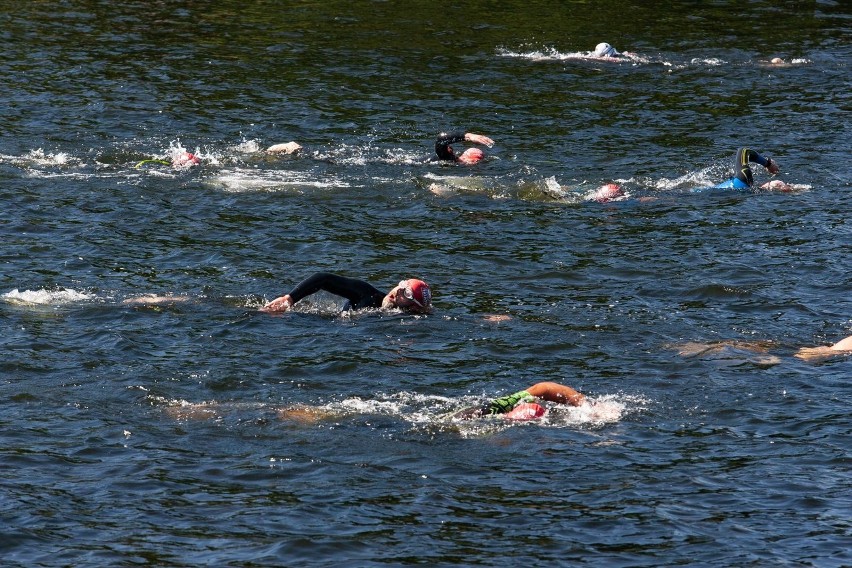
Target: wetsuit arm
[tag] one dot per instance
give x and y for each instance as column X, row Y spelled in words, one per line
column 744, row 156
column 442, row 144
column 359, row 293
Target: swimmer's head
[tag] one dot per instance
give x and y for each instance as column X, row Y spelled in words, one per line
column 605, row 50
column 471, row 156
column 412, row 295
column 185, row 159
column 608, row 192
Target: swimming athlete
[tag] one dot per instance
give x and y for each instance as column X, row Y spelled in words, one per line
column 816, row 354
column 285, row 148
column 180, row 160
column 605, row 50
column 469, row 156
column 743, row 178
column 523, row 404
column 809, row 354
column 410, row 295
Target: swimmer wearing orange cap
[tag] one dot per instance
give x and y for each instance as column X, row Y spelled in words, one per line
column 412, row 295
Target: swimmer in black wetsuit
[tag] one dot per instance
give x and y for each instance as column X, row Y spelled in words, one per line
column 469, row 156
column 744, row 178
column 409, row 295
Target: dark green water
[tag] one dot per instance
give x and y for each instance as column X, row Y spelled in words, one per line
column 726, row 458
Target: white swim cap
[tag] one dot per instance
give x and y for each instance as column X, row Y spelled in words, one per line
column 605, row 50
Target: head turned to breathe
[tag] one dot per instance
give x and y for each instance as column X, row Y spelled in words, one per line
column 410, row 295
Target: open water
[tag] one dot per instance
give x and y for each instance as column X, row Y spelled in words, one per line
column 149, row 434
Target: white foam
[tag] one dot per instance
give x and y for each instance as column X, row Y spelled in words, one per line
column 248, row 147
column 46, row 297
column 242, row 180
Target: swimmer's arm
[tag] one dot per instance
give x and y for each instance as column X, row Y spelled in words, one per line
column 352, row 289
column 844, row 344
column 306, row 287
column 817, row 354
column 442, row 144
column 445, row 139
column 478, row 139
column 767, row 163
column 554, row 392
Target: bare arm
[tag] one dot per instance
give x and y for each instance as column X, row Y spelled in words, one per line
column 554, row 392
column 478, row 139
column 818, row 354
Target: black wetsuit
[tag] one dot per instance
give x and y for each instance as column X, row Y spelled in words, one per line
column 442, row 145
column 359, row 293
column 743, row 178
column 744, row 156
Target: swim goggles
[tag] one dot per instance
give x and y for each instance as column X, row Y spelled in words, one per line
column 408, row 293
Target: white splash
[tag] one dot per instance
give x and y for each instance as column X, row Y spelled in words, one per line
column 46, row 297
column 242, row 180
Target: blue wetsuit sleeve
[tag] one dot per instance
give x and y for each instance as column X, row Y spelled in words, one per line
column 442, row 144
column 741, row 166
column 360, row 294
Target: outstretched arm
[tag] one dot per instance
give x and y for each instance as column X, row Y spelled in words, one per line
column 817, row 354
column 554, row 392
column 478, row 139
column 356, row 291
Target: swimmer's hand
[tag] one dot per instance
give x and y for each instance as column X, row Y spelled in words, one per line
column 772, row 166
column 777, row 185
column 281, row 304
column 286, row 148
column 478, row 139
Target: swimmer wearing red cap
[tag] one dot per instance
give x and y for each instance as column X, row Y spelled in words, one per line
column 445, row 152
column 410, row 295
column 523, row 405
column 181, row 160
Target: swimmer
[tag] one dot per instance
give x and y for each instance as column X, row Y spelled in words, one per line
column 412, row 295
column 286, row 148
column 817, row 354
column 605, row 50
column 607, row 192
column 154, row 300
column 523, row 405
column 470, row 156
column 604, row 194
column 744, row 178
column 761, row 348
column 185, row 160
column 180, row 160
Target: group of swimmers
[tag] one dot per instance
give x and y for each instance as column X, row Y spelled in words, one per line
column 414, row 295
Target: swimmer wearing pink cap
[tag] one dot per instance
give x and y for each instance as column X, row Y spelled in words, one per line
column 470, row 156
column 412, row 295
column 185, row 160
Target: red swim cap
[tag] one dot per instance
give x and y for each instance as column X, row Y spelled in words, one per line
column 185, row 159
column 417, row 291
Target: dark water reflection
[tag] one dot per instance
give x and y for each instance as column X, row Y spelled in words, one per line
column 721, row 456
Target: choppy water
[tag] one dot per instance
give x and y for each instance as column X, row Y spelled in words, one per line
column 140, row 434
